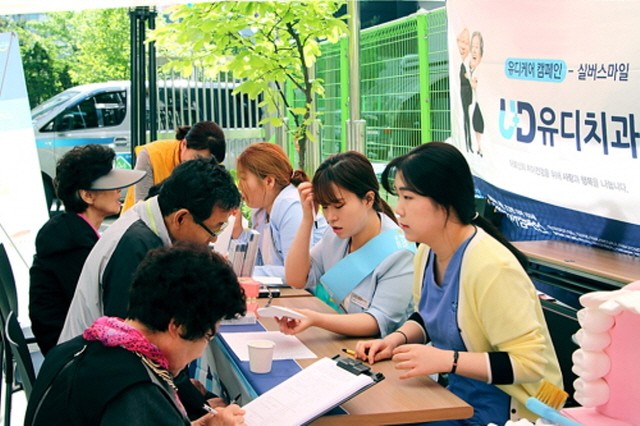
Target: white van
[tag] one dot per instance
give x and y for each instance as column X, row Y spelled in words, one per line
column 100, row 113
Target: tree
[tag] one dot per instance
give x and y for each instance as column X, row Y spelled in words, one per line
column 267, row 43
column 101, row 43
column 44, row 74
column 69, row 48
column 94, row 44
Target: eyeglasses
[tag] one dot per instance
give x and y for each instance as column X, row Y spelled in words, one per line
column 209, row 231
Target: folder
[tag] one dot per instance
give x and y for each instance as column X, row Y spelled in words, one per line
column 251, row 254
column 311, row 392
column 242, row 255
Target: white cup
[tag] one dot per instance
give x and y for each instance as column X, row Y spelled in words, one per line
column 260, row 355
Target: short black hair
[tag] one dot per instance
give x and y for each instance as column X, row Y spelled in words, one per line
column 198, row 185
column 207, row 135
column 187, row 283
column 77, row 169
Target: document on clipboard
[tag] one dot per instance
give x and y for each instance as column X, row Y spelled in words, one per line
column 310, row 393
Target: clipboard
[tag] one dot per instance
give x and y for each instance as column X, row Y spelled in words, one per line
column 313, row 391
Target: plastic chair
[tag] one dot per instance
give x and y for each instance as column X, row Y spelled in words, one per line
column 9, row 296
column 18, row 345
column 15, row 353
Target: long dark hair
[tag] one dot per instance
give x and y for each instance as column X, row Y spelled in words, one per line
column 439, row 171
column 352, row 171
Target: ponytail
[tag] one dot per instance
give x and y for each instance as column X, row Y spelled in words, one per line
column 495, row 233
column 181, row 132
column 382, row 206
column 298, row 176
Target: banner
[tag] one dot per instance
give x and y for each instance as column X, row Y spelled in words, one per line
column 22, row 203
column 543, row 105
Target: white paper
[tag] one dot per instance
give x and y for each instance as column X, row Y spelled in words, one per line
column 287, row 347
column 268, row 281
column 305, row 395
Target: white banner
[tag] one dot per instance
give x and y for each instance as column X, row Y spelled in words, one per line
column 22, row 203
column 544, row 100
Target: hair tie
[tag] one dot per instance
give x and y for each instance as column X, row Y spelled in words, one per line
column 475, row 216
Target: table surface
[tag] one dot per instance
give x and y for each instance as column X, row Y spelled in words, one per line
column 589, row 261
column 391, row 401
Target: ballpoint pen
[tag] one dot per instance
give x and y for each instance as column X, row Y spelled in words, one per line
column 209, row 409
column 349, row 351
column 315, row 219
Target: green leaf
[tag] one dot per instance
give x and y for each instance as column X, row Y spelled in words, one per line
column 274, row 121
column 299, row 111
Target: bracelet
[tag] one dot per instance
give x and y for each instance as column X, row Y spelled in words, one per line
column 454, row 367
column 406, row 339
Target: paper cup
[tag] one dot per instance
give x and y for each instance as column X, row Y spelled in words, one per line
column 251, row 289
column 260, row 355
column 251, row 292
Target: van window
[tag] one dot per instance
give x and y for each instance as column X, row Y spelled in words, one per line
column 100, row 110
column 52, row 103
column 111, row 108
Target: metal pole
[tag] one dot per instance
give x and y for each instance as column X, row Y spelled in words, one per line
column 133, row 29
column 313, row 147
column 153, row 92
column 355, row 126
column 141, row 95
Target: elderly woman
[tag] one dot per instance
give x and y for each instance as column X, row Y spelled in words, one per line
column 120, row 371
column 89, row 187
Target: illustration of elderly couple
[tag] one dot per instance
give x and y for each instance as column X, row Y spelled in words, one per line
column 471, row 48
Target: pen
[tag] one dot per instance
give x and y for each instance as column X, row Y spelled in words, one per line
column 315, row 219
column 209, row 409
column 349, row 352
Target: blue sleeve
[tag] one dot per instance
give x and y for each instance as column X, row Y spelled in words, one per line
column 317, row 266
column 283, row 231
column 269, row 271
column 392, row 298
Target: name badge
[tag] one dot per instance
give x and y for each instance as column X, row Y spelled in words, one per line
column 359, row 301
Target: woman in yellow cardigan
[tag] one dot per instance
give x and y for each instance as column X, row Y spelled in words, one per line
column 159, row 158
column 477, row 306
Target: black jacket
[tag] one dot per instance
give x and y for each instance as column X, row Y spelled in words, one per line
column 62, row 246
column 87, row 384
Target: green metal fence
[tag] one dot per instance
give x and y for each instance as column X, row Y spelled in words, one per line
column 333, row 106
column 404, row 87
column 438, row 55
column 390, row 88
